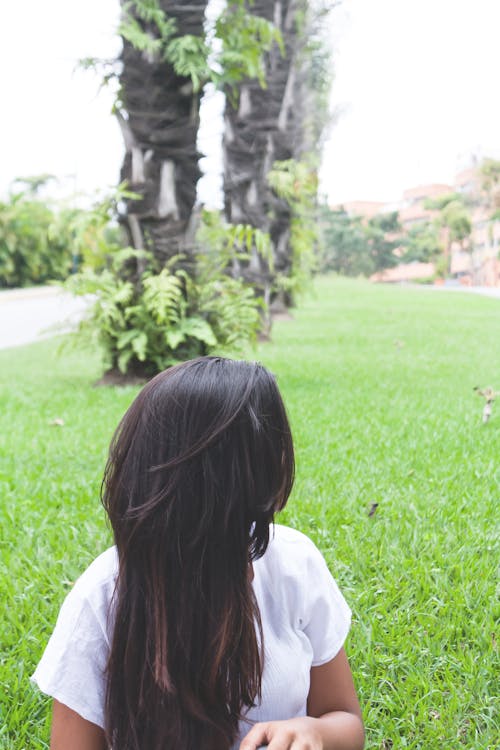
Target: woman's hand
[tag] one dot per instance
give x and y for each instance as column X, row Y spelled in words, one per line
column 334, row 717
column 299, row 734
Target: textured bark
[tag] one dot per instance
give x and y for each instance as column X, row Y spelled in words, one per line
column 264, row 126
column 159, row 122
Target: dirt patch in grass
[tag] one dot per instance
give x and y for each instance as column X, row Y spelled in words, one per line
column 117, row 378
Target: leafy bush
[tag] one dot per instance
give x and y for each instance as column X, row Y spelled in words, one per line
column 422, row 243
column 146, row 319
column 344, row 247
column 356, row 246
column 94, row 232
column 30, row 251
column 42, row 241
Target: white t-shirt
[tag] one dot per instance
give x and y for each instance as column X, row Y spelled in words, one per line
column 305, row 621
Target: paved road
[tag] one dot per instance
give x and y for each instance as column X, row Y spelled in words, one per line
column 484, row 291
column 28, row 315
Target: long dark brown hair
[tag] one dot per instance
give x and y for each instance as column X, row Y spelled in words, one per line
column 197, row 468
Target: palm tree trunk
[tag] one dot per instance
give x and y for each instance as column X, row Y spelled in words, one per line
column 159, row 118
column 260, row 128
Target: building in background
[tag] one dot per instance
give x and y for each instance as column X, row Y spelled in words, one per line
column 480, row 262
column 412, row 209
column 475, row 261
column 366, row 209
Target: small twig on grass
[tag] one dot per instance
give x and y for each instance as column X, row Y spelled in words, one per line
column 489, row 395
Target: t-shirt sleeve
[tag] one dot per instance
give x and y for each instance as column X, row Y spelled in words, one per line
column 327, row 616
column 72, row 668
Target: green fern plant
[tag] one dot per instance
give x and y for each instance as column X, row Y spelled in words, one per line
column 244, row 38
column 145, row 319
column 231, row 50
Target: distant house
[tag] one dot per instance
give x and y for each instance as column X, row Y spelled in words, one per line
column 412, row 209
column 475, row 261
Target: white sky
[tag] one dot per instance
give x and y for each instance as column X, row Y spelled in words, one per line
column 416, row 83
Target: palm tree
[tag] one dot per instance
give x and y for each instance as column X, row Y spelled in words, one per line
column 159, row 118
column 259, row 130
column 279, row 122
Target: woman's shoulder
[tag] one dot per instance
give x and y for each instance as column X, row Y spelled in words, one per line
column 100, row 570
column 290, row 555
column 103, row 567
column 96, row 584
column 73, row 664
column 294, row 575
column 284, row 535
column 290, row 543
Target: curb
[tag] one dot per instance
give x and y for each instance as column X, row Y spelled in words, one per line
column 35, row 292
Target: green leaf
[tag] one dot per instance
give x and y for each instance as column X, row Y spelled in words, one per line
column 125, row 339
column 189, row 56
column 199, row 329
column 140, row 345
column 123, row 360
column 174, row 337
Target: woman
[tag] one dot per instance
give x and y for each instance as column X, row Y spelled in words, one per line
column 204, row 628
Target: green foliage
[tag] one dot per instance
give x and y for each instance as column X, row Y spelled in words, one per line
column 442, row 267
column 131, row 30
column 353, row 246
column 344, row 247
column 454, row 216
column 244, row 39
column 94, row 231
column 227, row 244
column 229, row 52
column 189, row 55
column 35, row 239
column 490, row 174
column 33, row 184
column 145, row 318
column 490, row 183
column 297, row 183
column 384, row 236
column 387, row 222
column 422, row 243
column 457, row 218
column 150, row 13
column 439, row 203
column 42, row 241
column 148, row 28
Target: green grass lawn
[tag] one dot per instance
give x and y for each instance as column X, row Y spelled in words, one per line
column 379, row 386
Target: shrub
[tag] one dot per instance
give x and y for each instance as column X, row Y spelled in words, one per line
column 44, row 241
column 30, row 253
column 146, row 319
